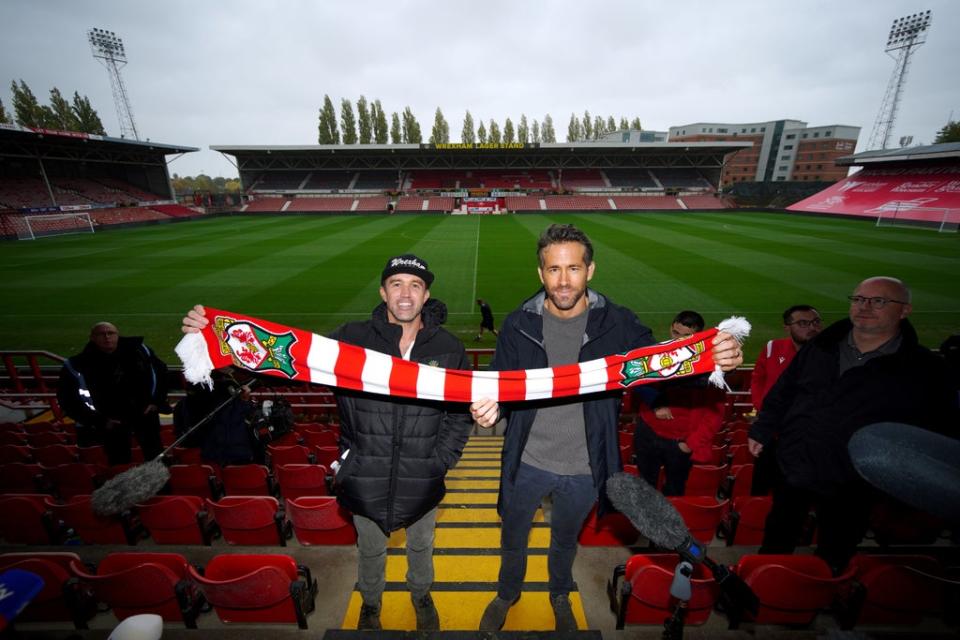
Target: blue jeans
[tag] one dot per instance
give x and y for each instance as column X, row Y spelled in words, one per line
column 573, row 497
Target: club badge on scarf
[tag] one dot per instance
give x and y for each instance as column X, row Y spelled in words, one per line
column 266, row 347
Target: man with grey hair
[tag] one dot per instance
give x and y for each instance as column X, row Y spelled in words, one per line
column 864, row 369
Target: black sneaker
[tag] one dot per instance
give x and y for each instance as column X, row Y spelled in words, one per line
column 369, row 618
column 427, row 617
column 495, row 614
column 563, row 613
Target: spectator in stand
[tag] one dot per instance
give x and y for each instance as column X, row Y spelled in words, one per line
column 227, row 437
column 565, row 449
column 486, row 319
column 395, row 452
column 116, row 388
column 801, row 323
column 863, row 369
column 676, row 428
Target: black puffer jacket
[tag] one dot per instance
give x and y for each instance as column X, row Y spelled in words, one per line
column 815, row 410
column 400, row 449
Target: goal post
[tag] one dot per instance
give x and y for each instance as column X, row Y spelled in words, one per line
column 944, row 220
column 56, row 224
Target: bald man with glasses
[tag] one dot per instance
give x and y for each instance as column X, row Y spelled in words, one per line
column 864, row 369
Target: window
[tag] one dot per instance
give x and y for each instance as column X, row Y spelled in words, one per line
column 780, row 178
column 744, row 130
column 721, row 130
column 804, row 136
column 791, row 136
column 753, row 130
column 827, row 134
column 787, row 147
column 785, row 156
column 816, row 134
column 819, row 166
column 782, row 167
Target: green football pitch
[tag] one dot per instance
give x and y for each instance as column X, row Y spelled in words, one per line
column 315, row 272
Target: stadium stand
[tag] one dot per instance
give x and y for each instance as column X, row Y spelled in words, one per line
column 410, row 203
column 274, row 180
column 303, row 203
column 329, row 180
column 523, row 203
column 56, row 602
column 577, row 203
column 319, row 520
column 704, row 202
column 583, row 179
column 645, row 203
column 372, row 203
column 22, row 193
column 175, row 210
column 682, row 179
column 265, row 204
column 631, row 178
column 645, row 595
column 376, row 181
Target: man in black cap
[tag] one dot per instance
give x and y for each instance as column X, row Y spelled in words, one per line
column 395, row 452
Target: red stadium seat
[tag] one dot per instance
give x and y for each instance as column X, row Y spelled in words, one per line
column 91, row 528
column 319, row 438
column 744, row 522
column 739, row 482
column 704, row 480
column 320, row 520
column 644, row 597
column 611, row 530
column 13, row 437
column 194, row 480
column 250, row 520
column 898, row 589
column 701, row 514
column 17, row 477
column 46, row 438
column 59, row 599
column 15, row 453
column 24, row 519
column 326, row 455
column 94, row 455
column 247, row 480
column 292, row 454
column 792, row 589
column 177, row 520
column 257, row 588
column 56, row 454
column 74, row 479
column 187, row 455
column 136, row 583
column 739, row 454
column 297, row 480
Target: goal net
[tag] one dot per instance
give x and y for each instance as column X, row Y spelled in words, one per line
column 942, row 219
column 57, row 224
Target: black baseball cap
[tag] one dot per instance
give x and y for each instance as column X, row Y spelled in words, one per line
column 407, row 263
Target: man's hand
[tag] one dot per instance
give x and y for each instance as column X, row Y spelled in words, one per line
column 663, row 413
column 683, row 447
column 195, row 320
column 485, row 412
column 754, row 447
column 726, row 351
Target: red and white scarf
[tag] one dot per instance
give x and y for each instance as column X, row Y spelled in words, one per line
column 266, row 347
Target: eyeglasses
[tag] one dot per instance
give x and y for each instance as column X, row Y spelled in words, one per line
column 875, row 302
column 803, row 324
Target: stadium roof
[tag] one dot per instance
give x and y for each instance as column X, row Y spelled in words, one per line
column 478, row 156
column 945, row 151
column 25, row 142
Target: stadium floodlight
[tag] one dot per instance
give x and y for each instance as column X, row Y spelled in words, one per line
column 906, row 34
column 108, row 48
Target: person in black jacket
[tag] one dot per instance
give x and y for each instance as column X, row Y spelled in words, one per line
column 395, row 452
column 115, row 388
column 563, row 448
column 864, row 369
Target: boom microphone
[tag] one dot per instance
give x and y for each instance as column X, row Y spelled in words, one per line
column 144, row 481
column 659, row 521
column 914, row 465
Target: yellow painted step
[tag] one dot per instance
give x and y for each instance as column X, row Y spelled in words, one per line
column 475, row 514
column 454, row 483
column 455, row 568
column 470, row 498
column 466, row 463
column 470, row 538
column 466, row 472
column 461, row 611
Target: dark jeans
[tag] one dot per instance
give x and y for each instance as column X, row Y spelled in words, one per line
column 842, row 520
column 117, row 441
column 653, row 451
column 572, row 499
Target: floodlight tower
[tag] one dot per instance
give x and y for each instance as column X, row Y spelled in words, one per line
column 107, row 47
column 906, row 34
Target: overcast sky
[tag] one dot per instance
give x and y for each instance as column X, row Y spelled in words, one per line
column 218, row 72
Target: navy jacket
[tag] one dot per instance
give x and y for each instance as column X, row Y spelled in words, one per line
column 400, row 448
column 815, row 410
column 610, row 329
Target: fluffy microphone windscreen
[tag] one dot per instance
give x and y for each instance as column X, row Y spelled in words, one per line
column 649, row 511
column 914, row 465
column 129, row 488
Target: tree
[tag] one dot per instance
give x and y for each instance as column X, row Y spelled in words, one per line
column 493, row 135
column 88, row 121
column 441, row 130
column 949, row 133
column 61, row 112
column 4, row 116
column 624, row 125
column 467, row 134
column 364, row 121
column 481, row 133
column 523, row 130
column 508, row 131
column 348, row 122
column 411, row 128
column 586, row 128
column 26, row 109
column 611, row 124
column 573, row 129
column 635, row 124
column 535, row 132
column 547, row 132
column 380, row 130
column 328, row 132
column 396, row 132
column 599, row 128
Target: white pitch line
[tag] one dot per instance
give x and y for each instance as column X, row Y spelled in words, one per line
column 476, row 266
